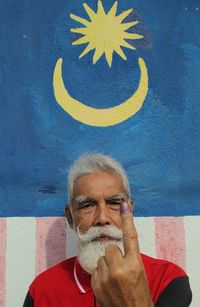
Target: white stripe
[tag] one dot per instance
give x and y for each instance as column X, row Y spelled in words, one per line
column 20, row 267
column 77, row 281
column 71, row 245
column 146, row 233
column 192, row 228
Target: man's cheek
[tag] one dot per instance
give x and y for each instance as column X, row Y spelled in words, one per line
column 116, row 218
column 84, row 223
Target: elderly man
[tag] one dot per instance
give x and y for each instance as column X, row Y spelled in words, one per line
column 109, row 269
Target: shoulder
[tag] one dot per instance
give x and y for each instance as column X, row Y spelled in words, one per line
column 160, row 266
column 54, row 276
column 178, row 293
column 160, row 274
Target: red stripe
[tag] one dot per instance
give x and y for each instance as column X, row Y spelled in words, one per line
column 50, row 242
column 170, row 239
column 3, row 246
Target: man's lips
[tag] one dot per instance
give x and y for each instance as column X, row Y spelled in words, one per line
column 104, row 238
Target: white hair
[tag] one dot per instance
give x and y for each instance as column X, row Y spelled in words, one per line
column 92, row 163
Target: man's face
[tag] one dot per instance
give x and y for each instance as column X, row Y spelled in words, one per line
column 97, row 199
column 96, row 215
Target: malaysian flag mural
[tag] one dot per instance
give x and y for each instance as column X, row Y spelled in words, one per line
column 117, row 77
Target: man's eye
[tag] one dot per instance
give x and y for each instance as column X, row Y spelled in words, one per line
column 85, row 206
column 115, row 202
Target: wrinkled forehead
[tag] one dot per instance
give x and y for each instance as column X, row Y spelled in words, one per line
column 99, row 183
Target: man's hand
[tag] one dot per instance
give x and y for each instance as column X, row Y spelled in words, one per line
column 121, row 280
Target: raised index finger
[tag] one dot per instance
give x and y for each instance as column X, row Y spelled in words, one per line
column 130, row 238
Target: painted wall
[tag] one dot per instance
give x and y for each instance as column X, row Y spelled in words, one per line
column 30, row 245
column 122, row 78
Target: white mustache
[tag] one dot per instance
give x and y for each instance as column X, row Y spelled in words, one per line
column 99, row 231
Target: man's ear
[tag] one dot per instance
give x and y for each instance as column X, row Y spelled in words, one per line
column 131, row 204
column 69, row 216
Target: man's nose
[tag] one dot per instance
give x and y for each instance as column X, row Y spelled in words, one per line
column 102, row 215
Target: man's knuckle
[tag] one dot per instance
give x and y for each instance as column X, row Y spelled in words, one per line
column 117, row 274
column 136, row 269
column 104, row 283
column 130, row 235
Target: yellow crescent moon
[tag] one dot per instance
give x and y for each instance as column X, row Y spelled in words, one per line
column 100, row 117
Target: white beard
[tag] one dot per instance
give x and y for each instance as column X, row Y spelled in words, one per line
column 90, row 249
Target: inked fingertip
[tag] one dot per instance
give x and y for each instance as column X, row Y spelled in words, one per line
column 125, row 208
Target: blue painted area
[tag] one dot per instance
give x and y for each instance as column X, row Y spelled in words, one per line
column 159, row 147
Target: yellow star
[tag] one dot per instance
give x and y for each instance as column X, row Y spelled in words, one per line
column 104, row 32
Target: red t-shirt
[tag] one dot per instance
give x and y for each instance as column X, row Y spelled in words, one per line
column 67, row 284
